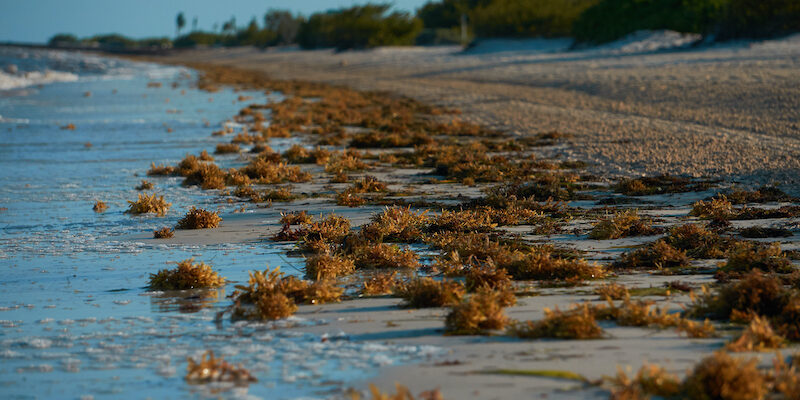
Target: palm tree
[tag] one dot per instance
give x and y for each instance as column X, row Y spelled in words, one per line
column 180, row 22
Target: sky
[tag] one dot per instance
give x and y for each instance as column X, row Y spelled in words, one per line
column 35, row 21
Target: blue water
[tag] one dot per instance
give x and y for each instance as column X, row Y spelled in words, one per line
column 75, row 318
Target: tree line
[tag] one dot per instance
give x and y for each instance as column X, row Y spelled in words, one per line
column 447, row 21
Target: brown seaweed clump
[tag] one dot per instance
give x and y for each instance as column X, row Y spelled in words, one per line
column 384, row 255
column 650, row 380
column 211, row 369
column 720, row 376
column 396, row 224
column 757, row 336
column 623, row 224
column 149, row 204
column 163, row 233
column 656, row 255
column 482, row 312
column 197, row 218
column 747, row 257
column 328, row 266
column 269, row 295
column 187, row 275
column 576, row 323
column 403, row 393
column 380, row 284
column 145, row 185
column 99, row 206
column 427, row 292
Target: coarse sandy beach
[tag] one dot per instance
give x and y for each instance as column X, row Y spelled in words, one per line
column 726, row 112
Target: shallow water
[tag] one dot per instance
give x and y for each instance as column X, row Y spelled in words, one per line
column 75, row 318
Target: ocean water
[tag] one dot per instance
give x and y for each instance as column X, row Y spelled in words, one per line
column 75, row 318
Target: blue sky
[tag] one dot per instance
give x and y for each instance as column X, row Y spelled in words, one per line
column 37, row 20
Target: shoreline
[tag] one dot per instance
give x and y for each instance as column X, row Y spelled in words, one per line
column 466, row 369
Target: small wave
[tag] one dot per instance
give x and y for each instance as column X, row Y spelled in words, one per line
column 8, row 81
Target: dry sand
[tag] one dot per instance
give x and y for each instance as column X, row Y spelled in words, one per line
column 730, row 110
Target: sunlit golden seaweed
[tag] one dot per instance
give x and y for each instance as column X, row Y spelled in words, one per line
column 656, row 255
column 757, row 336
column 576, row 323
column 650, row 380
column 163, row 233
column 207, row 176
column 197, row 218
column 149, row 204
column 383, row 255
column 720, row 376
column 481, row 312
column 380, row 284
column 300, row 218
column 99, row 206
column 210, row 369
column 747, row 257
column 187, row 275
column 402, row 393
column 622, row 224
column 270, row 295
column 427, row 292
column 395, row 224
column 328, row 266
column 145, row 185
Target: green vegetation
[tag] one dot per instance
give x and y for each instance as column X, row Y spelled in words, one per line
column 437, row 22
column 359, row 27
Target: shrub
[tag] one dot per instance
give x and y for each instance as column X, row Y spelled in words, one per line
column 608, row 20
column 577, row 323
column 163, row 233
column 527, row 18
column 481, row 312
column 426, row 292
column 210, row 369
column 358, row 27
column 197, row 218
column 149, row 204
column 187, row 275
